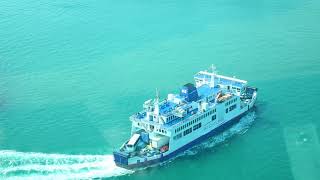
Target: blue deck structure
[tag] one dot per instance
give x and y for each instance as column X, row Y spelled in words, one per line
column 206, row 90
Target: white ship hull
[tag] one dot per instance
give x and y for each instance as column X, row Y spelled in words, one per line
column 162, row 130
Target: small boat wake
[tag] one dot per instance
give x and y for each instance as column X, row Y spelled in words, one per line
column 20, row 165
column 29, row 165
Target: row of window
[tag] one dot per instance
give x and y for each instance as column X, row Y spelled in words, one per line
column 177, row 136
column 161, row 130
column 197, row 126
column 170, row 118
column 230, row 102
column 185, row 125
column 231, row 108
column 238, row 89
column 195, row 120
column 187, row 131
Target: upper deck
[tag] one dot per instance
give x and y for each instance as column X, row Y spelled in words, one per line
column 211, row 77
column 191, row 100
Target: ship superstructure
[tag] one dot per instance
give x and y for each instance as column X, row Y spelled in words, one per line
column 165, row 128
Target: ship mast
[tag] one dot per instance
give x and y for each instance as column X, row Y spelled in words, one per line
column 213, row 68
column 156, row 106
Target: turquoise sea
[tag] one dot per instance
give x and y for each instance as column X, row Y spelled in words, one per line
column 72, row 72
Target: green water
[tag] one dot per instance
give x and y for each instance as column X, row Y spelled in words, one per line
column 71, row 72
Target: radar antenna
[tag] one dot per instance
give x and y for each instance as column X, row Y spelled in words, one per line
column 214, row 69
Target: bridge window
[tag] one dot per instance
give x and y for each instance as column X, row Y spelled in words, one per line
column 214, row 117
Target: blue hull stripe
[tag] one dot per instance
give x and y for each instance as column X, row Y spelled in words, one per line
column 214, row 132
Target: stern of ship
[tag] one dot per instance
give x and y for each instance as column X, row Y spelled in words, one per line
column 121, row 158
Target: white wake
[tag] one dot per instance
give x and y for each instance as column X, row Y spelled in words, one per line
column 15, row 165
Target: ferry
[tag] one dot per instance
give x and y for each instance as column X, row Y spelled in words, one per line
column 166, row 128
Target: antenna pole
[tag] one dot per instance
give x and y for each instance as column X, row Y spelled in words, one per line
column 157, row 93
column 213, row 68
column 156, row 106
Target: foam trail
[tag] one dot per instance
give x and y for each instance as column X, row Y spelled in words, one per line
column 14, row 165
